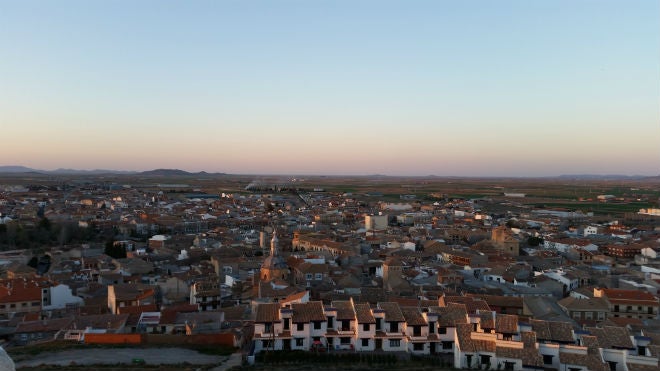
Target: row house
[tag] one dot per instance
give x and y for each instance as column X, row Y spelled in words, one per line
column 482, row 339
column 624, row 251
column 20, row 296
column 630, row 303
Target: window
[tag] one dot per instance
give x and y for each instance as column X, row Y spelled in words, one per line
column 365, row 342
column 308, row 276
column 395, row 342
column 379, row 324
column 588, row 315
column 366, row 327
column 266, row 344
column 345, row 325
column 300, row 326
column 394, row 326
column 2, row 306
column 616, row 308
column 286, row 323
column 319, row 276
column 612, row 365
column 641, row 350
column 418, row 346
column 345, row 340
column 331, row 322
column 442, row 330
column 601, row 315
column 12, row 305
column 23, row 304
column 300, row 342
column 577, row 315
column 431, row 327
column 447, row 345
column 508, row 366
column 317, row 325
column 547, row 359
column 417, row 330
column 34, row 304
column 629, row 308
column 485, row 359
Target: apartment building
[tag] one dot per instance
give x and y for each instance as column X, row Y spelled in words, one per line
column 630, row 303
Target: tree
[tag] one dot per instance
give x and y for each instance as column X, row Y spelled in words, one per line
column 534, row 241
column 114, row 250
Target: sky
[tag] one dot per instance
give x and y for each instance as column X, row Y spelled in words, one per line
column 449, row 88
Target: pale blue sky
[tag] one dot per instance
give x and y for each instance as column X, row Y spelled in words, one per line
column 338, row 87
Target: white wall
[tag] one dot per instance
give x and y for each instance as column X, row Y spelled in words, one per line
column 60, row 296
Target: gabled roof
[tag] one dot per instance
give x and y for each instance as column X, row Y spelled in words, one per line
column 345, row 309
column 506, row 324
column 308, row 312
column 363, row 313
column 528, row 356
column 612, row 337
column 392, row 312
column 554, row 331
column 591, row 361
column 472, row 304
column 487, row 319
column 632, row 297
column 268, row 312
column 450, row 316
column 51, row 325
column 413, row 316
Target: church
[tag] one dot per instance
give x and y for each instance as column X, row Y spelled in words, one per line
column 274, row 267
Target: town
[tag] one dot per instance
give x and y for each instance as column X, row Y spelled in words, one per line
column 501, row 274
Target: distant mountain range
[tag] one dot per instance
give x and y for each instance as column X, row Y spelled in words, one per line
column 17, row 169
column 156, row 172
column 603, row 177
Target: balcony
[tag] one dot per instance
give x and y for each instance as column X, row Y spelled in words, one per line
column 346, row 331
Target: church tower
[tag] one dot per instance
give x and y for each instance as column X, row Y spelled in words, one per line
column 274, row 266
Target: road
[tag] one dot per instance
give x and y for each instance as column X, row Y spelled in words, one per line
column 151, row 356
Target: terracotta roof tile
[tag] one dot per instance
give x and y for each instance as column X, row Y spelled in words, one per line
column 506, row 324
column 528, row 356
column 638, row 367
column 413, row 316
column 612, row 337
column 268, row 312
column 308, row 312
column 345, row 309
column 363, row 313
column 472, row 304
column 392, row 312
column 451, row 315
column 631, row 296
column 487, row 320
column 591, row 361
column 554, row 331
